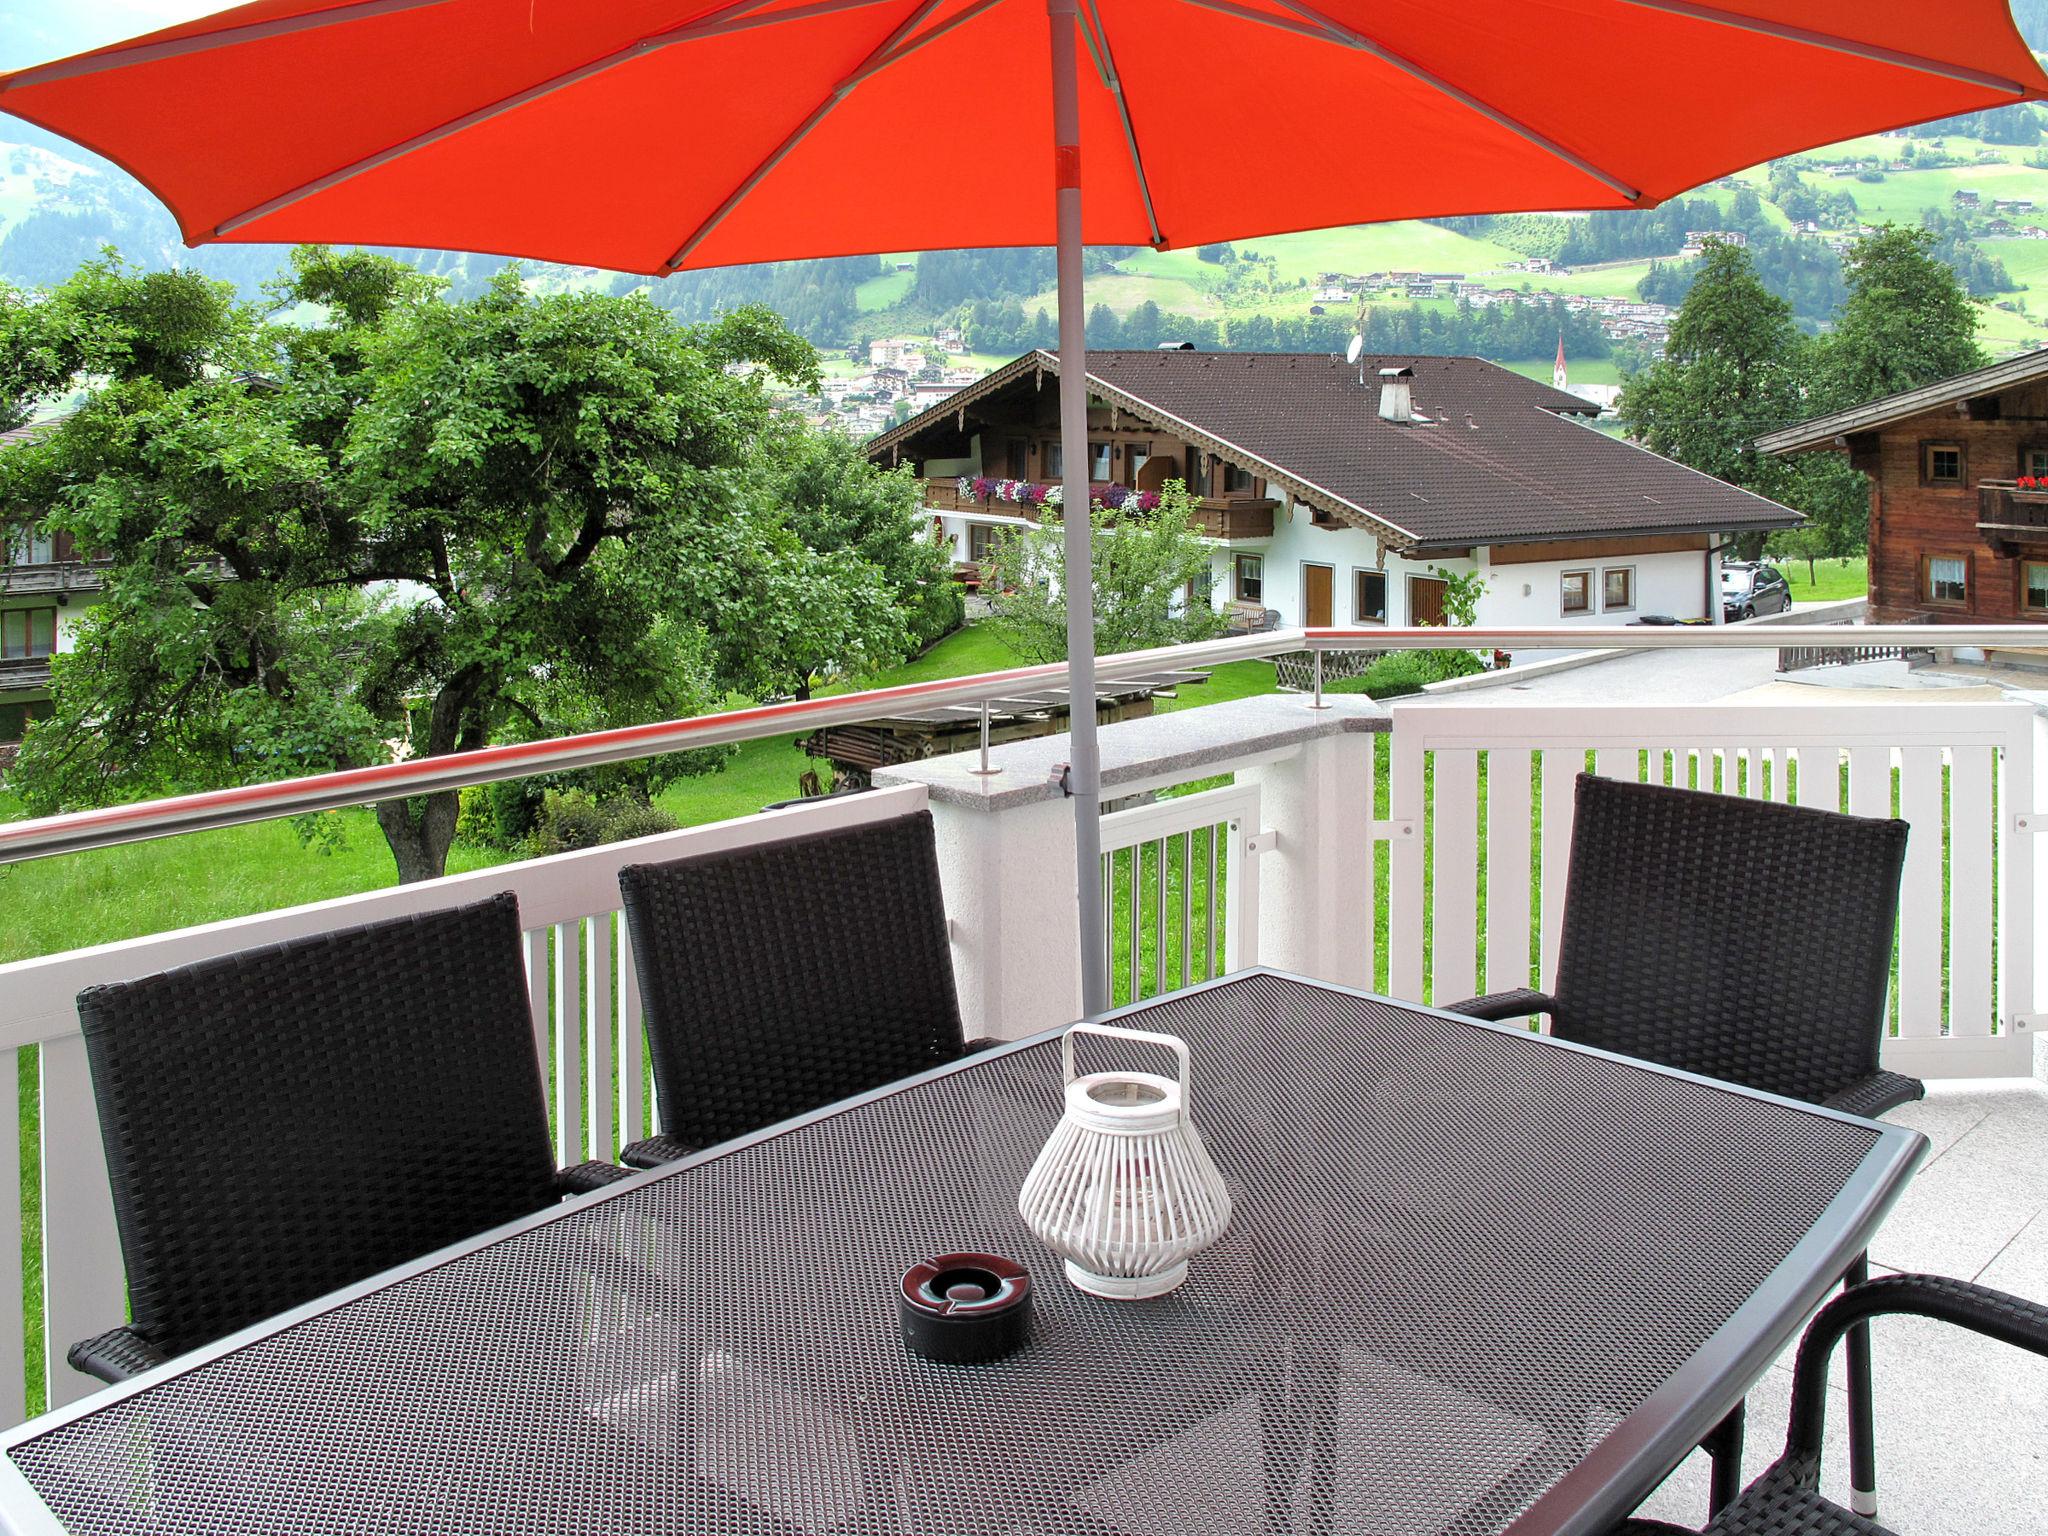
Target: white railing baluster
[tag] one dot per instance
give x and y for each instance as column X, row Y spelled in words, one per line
column 1920, row 899
column 13, row 1329
column 1508, row 868
column 1820, row 778
column 1405, row 862
column 1970, row 895
column 633, row 1124
column 538, row 970
column 1561, row 769
column 598, row 1033
column 568, row 1037
column 1454, row 863
column 2015, row 885
column 83, row 1289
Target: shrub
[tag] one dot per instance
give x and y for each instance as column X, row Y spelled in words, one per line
column 1406, row 672
column 570, row 819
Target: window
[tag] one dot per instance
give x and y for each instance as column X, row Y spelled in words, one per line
column 31, row 547
column 28, row 632
column 1237, row 482
column 1368, row 597
column 1946, row 579
column 1942, row 464
column 1576, row 594
column 981, row 542
column 2034, row 589
column 14, row 718
column 1617, row 588
column 1098, row 461
column 1251, row 583
column 1019, row 456
column 2034, row 460
column 1055, row 462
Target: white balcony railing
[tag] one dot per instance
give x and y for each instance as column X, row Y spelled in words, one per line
column 1280, row 863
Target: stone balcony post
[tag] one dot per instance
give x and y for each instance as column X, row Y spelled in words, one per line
column 1006, row 845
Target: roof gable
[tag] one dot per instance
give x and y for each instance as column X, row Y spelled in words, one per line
column 1498, row 457
column 1821, row 432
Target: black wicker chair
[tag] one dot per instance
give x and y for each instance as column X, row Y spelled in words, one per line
column 1739, row 939
column 788, row 975
column 1786, row 1500
column 282, row 1122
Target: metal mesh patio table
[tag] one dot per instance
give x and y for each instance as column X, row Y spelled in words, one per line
column 1477, row 1281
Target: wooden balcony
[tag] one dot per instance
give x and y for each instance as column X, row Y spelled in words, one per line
column 23, row 672
column 2010, row 519
column 1235, row 517
column 55, row 576
column 1217, row 517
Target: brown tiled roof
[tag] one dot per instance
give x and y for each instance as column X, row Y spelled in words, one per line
column 31, row 429
column 1502, row 460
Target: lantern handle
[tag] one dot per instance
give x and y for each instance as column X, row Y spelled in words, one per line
column 1173, row 1043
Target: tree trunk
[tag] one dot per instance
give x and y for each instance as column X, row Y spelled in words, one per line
column 421, row 828
column 419, row 831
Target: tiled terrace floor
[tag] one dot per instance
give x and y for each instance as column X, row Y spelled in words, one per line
column 1962, row 1423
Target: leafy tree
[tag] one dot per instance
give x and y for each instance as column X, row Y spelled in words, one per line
column 1809, row 543
column 1906, row 322
column 1728, row 374
column 855, row 583
column 1144, row 564
column 419, row 521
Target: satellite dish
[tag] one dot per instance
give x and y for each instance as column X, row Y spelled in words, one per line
column 1353, row 352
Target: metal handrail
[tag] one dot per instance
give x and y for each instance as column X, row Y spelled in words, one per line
column 141, row 820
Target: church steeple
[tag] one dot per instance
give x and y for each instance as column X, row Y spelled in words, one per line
column 1557, row 373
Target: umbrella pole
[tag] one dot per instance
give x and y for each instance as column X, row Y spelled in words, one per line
column 1084, row 776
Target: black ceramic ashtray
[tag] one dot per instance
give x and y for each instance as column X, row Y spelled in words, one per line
column 964, row 1308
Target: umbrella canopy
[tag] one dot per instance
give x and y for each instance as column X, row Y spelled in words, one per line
column 655, row 136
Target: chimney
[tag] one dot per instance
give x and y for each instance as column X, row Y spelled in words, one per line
column 1396, row 401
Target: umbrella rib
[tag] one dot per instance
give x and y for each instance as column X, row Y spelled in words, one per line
column 1268, row 19
column 736, row 17
column 893, row 47
column 206, row 42
column 1337, row 32
column 1834, row 44
column 1098, row 36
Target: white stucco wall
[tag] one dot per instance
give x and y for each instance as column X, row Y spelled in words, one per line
column 68, row 621
column 1674, row 583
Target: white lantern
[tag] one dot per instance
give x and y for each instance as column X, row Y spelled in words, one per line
column 1125, row 1191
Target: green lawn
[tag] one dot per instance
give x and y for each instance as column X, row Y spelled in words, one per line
column 884, row 292
column 1829, row 581
column 1583, row 370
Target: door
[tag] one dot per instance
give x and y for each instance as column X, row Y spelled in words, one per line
column 1317, row 582
column 1425, row 600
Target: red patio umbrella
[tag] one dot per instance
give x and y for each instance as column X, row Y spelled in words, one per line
column 656, row 136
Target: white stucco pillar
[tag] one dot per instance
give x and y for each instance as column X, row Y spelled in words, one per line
column 1316, row 885
column 1009, row 883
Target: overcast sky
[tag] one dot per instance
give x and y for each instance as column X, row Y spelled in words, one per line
column 32, row 31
